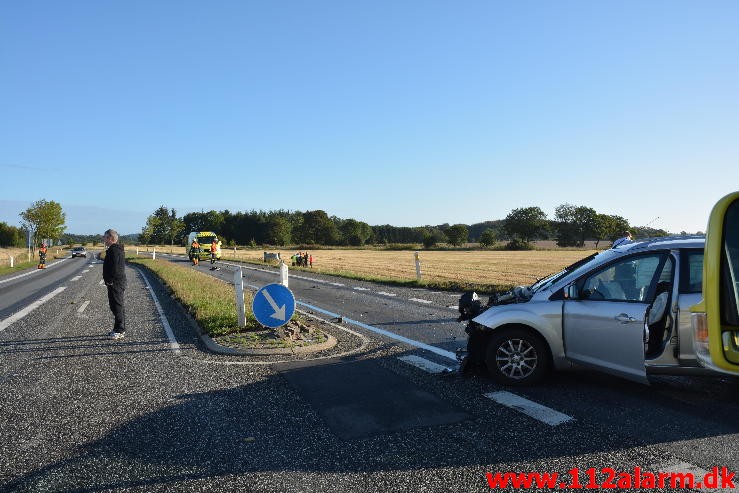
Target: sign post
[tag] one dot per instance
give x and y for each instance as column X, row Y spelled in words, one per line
column 283, row 273
column 240, row 309
column 418, row 267
column 273, row 305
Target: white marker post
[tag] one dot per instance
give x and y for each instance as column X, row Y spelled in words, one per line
column 154, row 253
column 418, row 268
column 283, row 273
column 11, row 261
column 239, row 285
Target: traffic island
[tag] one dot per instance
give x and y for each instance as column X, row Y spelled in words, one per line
column 294, row 338
column 209, row 308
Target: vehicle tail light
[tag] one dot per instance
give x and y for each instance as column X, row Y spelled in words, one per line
column 700, row 337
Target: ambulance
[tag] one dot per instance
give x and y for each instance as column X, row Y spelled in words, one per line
column 205, row 238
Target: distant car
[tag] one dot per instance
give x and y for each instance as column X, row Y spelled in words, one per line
column 79, row 252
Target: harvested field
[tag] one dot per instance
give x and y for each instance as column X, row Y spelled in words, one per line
column 475, row 269
column 454, row 269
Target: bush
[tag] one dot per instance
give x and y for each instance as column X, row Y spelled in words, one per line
column 517, row 244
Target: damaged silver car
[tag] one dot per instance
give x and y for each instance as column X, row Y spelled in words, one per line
column 624, row 311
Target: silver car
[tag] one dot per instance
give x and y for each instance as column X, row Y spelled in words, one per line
column 625, row 311
column 79, row 252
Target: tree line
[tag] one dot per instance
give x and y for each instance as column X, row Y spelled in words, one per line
column 571, row 226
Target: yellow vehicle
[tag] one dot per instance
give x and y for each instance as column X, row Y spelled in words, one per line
column 715, row 319
column 205, row 238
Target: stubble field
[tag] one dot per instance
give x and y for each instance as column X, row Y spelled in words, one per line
column 482, row 270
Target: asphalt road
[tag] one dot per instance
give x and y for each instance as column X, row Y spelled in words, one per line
column 81, row 412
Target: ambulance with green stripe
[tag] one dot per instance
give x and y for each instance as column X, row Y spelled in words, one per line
column 715, row 319
column 205, row 238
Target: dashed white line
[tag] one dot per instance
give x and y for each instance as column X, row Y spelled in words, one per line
column 17, row 316
column 384, row 293
column 424, row 364
column 101, row 282
column 84, row 305
column 530, row 408
column 421, row 301
column 76, row 278
column 336, row 284
column 85, row 271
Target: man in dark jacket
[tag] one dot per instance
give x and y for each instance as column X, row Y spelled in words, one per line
column 114, row 275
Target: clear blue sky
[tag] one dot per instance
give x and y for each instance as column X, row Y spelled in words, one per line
column 407, row 113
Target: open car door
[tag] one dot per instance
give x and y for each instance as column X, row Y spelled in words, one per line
column 715, row 319
column 605, row 312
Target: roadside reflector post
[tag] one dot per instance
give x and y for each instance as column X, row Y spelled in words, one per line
column 11, row 261
column 239, row 285
column 154, row 253
column 418, row 267
column 283, row 273
column 137, row 251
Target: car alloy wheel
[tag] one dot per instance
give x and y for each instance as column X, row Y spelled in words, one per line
column 517, row 357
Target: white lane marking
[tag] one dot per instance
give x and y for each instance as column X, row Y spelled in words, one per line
column 84, row 305
column 336, row 284
column 76, row 278
column 86, row 271
column 17, row 316
column 421, row 301
column 167, row 328
column 679, row 467
column 530, row 408
column 424, row 364
column 441, row 352
column 33, row 271
column 384, row 293
column 101, row 282
column 359, row 288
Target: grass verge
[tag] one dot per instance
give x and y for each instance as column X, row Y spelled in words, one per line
column 18, row 266
column 208, row 300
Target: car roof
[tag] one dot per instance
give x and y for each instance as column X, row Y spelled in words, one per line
column 664, row 242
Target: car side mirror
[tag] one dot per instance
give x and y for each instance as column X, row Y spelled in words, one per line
column 571, row 292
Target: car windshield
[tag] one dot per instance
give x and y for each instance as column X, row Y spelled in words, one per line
column 551, row 279
column 78, row 249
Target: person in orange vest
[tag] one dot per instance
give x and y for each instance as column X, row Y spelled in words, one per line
column 195, row 252
column 213, row 253
column 42, row 256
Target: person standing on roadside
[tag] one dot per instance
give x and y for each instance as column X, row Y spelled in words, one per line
column 195, row 252
column 213, row 252
column 42, row 256
column 114, row 275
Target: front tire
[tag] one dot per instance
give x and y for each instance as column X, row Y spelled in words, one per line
column 517, row 357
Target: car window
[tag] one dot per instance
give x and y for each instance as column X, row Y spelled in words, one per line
column 630, row 279
column 691, row 271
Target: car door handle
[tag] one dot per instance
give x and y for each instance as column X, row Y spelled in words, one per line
column 624, row 318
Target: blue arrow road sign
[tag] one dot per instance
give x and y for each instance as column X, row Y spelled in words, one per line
column 273, row 305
